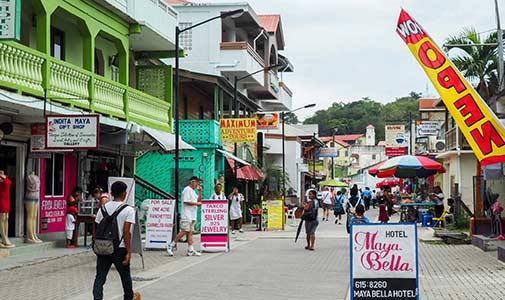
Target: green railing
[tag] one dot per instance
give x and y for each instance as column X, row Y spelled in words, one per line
column 200, row 132
column 23, row 69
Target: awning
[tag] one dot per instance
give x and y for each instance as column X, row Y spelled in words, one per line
column 233, row 157
column 166, row 140
column 245, row 172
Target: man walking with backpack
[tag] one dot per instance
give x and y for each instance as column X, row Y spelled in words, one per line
column 113, row 241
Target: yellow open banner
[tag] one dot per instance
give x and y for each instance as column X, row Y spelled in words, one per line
column 238, row 130
column 475, row 119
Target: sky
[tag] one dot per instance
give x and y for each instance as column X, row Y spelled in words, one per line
column 344, row 50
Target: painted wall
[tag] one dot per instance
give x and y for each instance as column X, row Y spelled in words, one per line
column 73, row 41
column 293, row 150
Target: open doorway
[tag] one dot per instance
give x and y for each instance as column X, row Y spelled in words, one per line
column 8, row 165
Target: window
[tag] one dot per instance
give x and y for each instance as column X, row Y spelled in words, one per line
column 374, row 156
column 54, row 173
column 186, row 38
column 99, row 64
column 114, row 73
column 57, row 43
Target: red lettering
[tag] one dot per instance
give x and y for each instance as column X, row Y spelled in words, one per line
column 425, row 59
column 467, row 106
column 489, row 134
column 449, row 78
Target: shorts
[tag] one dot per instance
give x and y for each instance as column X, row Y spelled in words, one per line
column 311, row 226
column 326, row 206
column 188, row 225
column 69, row 234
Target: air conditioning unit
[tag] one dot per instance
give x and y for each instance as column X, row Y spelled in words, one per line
column 438, row 146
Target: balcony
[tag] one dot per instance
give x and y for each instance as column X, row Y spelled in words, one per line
column 240, row 59
column 450, row 140
column 156, row 18
column 284, row 101
column 200, row 132
column 31, row 72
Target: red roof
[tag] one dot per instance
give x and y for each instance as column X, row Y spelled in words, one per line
column 370, row 126
column 270, row 22
column 330, row 138
column 427, row 103
column 349, row 137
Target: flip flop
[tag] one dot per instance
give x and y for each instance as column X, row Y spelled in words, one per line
column 307, row 248
column 312, row 249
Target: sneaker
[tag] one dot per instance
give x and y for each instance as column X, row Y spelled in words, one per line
column 241, row 230
column 233, row 231
column 136, row 296
column 170, row 250
column 194, row 253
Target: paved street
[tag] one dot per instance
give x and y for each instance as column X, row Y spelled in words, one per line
column 260, row 266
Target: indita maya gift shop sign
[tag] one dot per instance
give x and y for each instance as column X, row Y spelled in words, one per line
column 72, row 131
column 214, row 232
column 384, row 262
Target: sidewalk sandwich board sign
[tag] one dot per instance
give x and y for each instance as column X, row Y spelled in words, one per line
column 160, row 223
column 214, row 230
column 384, row 261
column 272, row 215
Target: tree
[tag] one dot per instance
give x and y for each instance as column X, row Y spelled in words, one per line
column 477, row 62
column 291, row 118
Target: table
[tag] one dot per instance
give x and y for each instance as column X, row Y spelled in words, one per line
column 86, row 220
column 405, row 206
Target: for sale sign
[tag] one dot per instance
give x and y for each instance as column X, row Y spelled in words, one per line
column 160, row 222
column 214, row 231
column 384, row 261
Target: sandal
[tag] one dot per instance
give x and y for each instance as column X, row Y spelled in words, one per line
column 312, row 249
column 307, row 248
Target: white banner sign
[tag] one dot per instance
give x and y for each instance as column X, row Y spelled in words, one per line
column 130, row 190
column 384, row 261
column 395, row 136
column 428, row 128
column 214, row 233
column 10, row 19
column 72, row 131
column 160, row 223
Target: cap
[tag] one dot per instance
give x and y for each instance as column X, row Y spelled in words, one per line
column 73, row 210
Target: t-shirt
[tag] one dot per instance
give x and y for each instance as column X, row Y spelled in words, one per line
column 215, row 196
column 326, row 196
column 70, row 222
column 126, row 215
column 188, row 212
column 439, row 198
column 367, row 194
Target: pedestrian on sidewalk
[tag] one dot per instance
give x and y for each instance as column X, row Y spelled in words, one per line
column 125, row 219
column 359, row 217
column 218, row 193
column 190, row 202
column 338, row 207
column 367, row 198
column 70, row 225
column 310, row 208
column 327, row 203
column 236, row 200
column 383, row 213
column 351, row 204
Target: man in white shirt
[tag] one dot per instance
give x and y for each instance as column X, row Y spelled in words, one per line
column 190, row 202
column 327, row 203
column 121, row 256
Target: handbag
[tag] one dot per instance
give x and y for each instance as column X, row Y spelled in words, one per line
column 310, row 215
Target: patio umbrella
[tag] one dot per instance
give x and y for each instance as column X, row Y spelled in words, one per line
column 333, row 182
column 388, row 182
column 409, row 166
column 373, row 170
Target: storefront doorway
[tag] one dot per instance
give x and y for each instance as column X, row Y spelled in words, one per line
column 8, row 165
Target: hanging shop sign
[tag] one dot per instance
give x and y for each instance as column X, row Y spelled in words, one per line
column 72, row 131
column 273, row 215
column 238, row 130
column 130, row 188
column 384, row 261
column 10, row 19
column 396, row 151
column 396, row 136
column 214, row 230
column 267, row 120
column 327, row 152
column 160, row 223
column 478, row 123
column 428, row 128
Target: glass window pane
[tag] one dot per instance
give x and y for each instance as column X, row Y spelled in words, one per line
column 58, row 174
column 48, row 175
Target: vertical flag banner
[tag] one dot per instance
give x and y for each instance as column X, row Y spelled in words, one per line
column 478, row 123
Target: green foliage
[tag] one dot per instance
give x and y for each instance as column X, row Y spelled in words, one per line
column 354, row 117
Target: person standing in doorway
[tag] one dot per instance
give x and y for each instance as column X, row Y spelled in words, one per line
column 218, row 193
column 121, row 256
column 236, row 200
column 190, row 202
column 327, row 203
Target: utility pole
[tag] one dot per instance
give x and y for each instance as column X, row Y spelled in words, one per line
column 500, row 46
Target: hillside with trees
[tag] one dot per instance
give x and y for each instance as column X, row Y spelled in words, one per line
column 353, row 117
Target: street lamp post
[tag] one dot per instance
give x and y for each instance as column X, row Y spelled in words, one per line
column 282, row 117
column 178, row 31
column 332, row 158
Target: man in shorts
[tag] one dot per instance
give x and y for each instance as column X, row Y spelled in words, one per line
column 190, row 202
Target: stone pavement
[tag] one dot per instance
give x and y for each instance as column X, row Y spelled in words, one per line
column 261, row 265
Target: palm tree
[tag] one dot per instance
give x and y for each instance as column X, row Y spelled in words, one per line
column 477, row 62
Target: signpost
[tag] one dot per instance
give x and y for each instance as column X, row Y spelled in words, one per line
column 327, row 152
column 238, row 130
column 214, row 230
column 428, row 128
column 10, row 19
column 160, row 222
column 72, row 131
column 384, row 261
column 272, row 215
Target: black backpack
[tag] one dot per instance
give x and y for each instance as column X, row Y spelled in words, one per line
column 106, row 239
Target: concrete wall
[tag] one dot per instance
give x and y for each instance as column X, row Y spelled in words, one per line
column 460, row 171
column 293, row 151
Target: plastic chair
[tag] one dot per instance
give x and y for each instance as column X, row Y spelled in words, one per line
column 440, row 219
column 291, row 213
column 428, row 219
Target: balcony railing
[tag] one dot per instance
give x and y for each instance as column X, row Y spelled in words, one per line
column 200, row 132
column 450, row 140
column 243, row 46
column 22, row 69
